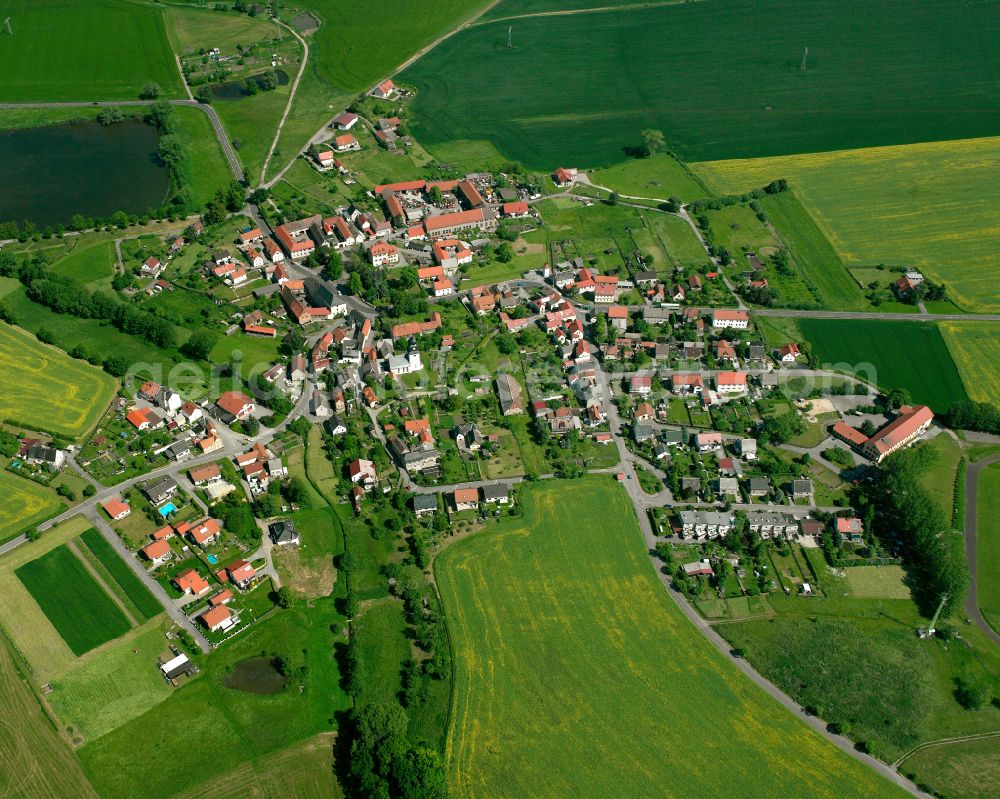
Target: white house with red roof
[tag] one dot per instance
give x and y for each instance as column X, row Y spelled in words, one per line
column 346, row 142
column 325, row 158
column 723, row 318
column 241, row 573
column 565, row 176
column 788, row 353
column 116, row 509
column 385, row 90
column 345, row 120
column 731, row 382
column 381, row 254
column 235, row 405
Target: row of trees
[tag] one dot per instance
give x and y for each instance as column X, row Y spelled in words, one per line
column 903, row 509
column 969, row 415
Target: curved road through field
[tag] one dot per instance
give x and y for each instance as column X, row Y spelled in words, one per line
column 971, row 545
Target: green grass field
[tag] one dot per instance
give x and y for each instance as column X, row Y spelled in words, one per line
column 939, row 480
column 54, row 392
column 226, row 729
column 205, row 166
column 192, row 29
column 882, row 353
column 133, row 587
column 77, row 606
column 966, row 770
column 988, row 518
column 35, row 762
column 876, row 582
column 660, row 177
column 929, row 206
column 975, row 348
column 25, row 503
column 683, row 68
column 91, row 264
column 818, row 261
column 84, row 50
column 109, row 690
column 384, row 649
column 561, row 689
column 737, row 228
column 353, row 53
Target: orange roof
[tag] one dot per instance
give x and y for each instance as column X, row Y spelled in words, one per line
column 466, row 495
column 204, row 530
column 115, row 507
column 618, row 312
column 452, row 220
column 234, row 402
column 240, row 570
column 415, row 426
column 156, row 550
column 731, row 379
column 137, row 417
column 851, row 434
column 346, row 140
column 191, row 581
column 215, row 616
column 220, row 598
column 162, row 533
column 426, row 272
column 515, row 208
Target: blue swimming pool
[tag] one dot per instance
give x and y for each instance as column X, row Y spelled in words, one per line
column 167, row 509
column 212, row 559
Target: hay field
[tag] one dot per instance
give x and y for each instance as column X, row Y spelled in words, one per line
column 35, row 763
column 576, row 675
column 52, row 391
column 975, row 346
column 934, row 206
column 33, row 634
column 965, row 770
column 304, row 770
column 25, row 503
column 988, row 542
column 64, row 50
column 115, row 686
column 877, row 582
column 720, row 79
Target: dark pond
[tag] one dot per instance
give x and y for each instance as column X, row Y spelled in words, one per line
column 235, row 89
column 50, row 173
column 256, row 676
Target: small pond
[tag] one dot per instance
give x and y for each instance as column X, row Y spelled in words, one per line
column 235, row 89
column 50, row 173
column 256, row 676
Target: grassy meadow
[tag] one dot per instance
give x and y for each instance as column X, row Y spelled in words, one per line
column 818, row 262
column 561, row 689
column 963, row 770
column 226, row 729
column 354, row 54
column 659, row 177
column 988, row 540
column 65, row 50
column 882, row 352
column 35, row 762
column 192, row 29
column 721, row 79
column 930, row 206
column 54, row 392
column 76, row 604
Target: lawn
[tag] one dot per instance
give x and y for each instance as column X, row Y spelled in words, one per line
column 677, row 239
column 251, row 123
column 876, row 582
column 54, row 392
column 975, row 348
column 660, row 177
column 133, row 587
column 78, row 607
column 90, row 264
column 881, row 352
column 354, row 54
column 84, row 50
column 737, row 228
column 988, row 542
column 929, row 206
column 720, row 79
column 35, row 762
column 818, row 262
column 966, row 770
column 109, row 690
column 225, row 728
column 25, row 503
column 579, row 689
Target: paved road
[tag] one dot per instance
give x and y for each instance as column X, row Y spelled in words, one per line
column 971, row 549
column 154, row 587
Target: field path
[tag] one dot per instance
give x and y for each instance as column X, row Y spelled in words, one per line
column 574, row 11
column 945, row 742
column 971, row 545
column 291, row 97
